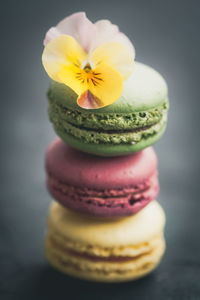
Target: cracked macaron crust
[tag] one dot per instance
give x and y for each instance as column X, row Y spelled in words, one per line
column 101, row 186
column 135, row 121
column 106, row 250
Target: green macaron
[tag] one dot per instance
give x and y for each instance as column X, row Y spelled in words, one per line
column 135, row 121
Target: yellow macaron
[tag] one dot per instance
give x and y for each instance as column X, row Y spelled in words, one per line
column 107, row 250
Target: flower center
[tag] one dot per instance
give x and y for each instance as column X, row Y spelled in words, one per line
column 87, row 74
column 87, row 68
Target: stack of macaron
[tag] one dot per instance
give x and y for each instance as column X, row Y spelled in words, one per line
column 104, row 223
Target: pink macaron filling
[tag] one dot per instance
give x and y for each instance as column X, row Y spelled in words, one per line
column 105, row 202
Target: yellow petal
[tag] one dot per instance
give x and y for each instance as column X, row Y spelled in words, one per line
column 69, row 75
column 115, row 55
column 104, row 88
column 61, row 52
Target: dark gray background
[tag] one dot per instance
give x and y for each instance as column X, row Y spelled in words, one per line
column 166, row 36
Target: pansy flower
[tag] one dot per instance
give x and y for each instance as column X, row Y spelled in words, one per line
column 92, row 59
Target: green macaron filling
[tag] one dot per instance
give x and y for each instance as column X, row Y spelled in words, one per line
column 110, row 121
column 102, row 136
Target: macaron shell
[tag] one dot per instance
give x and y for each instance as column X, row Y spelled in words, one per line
column 111, row 250
column 140, row 114
column 107, row 271
column 110, row 150
column 80, row 169
column 108, row 232
column 103, row 187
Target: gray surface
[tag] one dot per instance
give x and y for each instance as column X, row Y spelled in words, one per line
column 166, row 36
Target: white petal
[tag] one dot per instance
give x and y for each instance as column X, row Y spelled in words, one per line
column 122, row 38
column 51, row 34
column 105, row 32
column 76, row 25
column 108, row 32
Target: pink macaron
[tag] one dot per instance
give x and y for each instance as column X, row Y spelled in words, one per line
column 101, row 186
